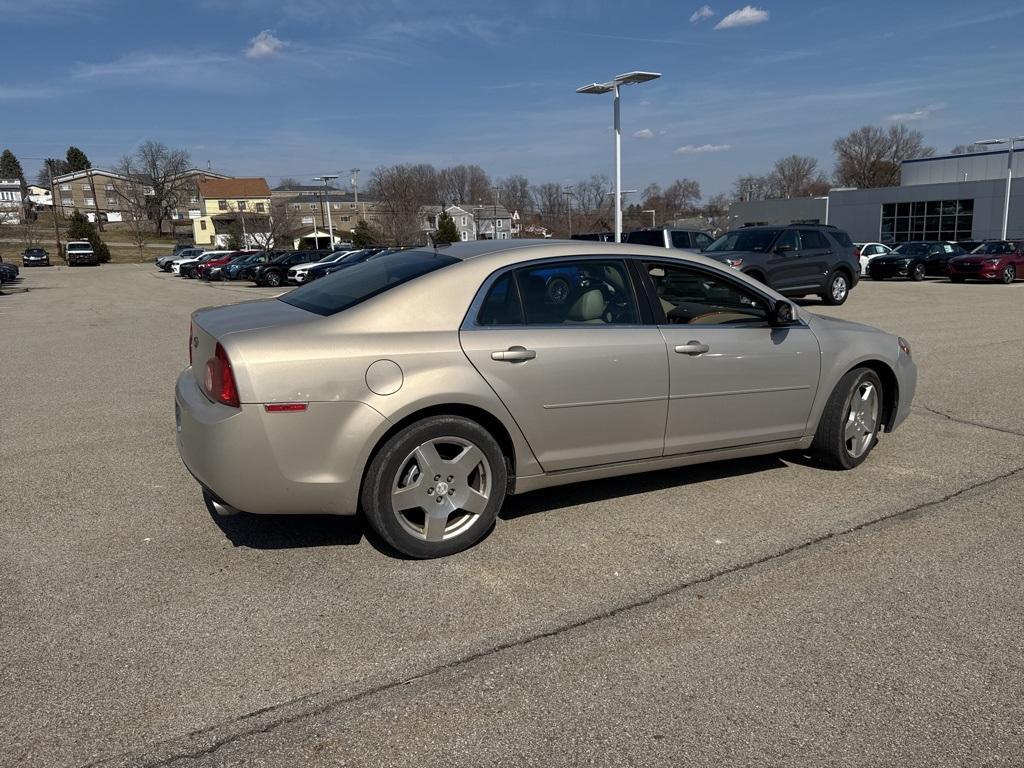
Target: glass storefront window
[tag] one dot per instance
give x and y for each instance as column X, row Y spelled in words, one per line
column 927, row 220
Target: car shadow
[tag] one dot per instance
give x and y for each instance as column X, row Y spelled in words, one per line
column 288, row 531
column 560, row 497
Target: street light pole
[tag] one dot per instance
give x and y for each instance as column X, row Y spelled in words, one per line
column 613, row 86
column 568, row 201
column 1009, row 174
column 330, row 225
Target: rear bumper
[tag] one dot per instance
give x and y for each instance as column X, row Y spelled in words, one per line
column 276, row 463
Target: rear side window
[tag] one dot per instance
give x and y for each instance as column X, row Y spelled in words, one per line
column 647, row 237
column 348, row 287
column 842, row 238
column 680, row 239
column 812, row 238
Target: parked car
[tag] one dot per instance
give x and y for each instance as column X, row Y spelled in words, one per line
column 423, row 386
column 186, row 263
column 867, row 251
column 694, row 240
column 601, row 237
column 236, row 270
column 8, row 272
column 316, row 271
column 297, row 274
column 35, row 257
column 368, row 253
column 164, row 262
column 915, row 260
column 274, row 272
column 1001, row 260
column 796, row 261
column 203, row 268
column 79, row 252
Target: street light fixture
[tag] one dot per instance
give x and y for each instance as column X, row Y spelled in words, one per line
column 1009, row 173
column 327, row 177
column 612, row 86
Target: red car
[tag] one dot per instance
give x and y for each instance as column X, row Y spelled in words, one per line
column 1001, row 260
column 203, row 270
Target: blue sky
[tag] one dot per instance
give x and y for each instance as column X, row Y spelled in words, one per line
column 271, row 88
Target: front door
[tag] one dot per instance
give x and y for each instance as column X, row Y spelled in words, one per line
column 784, row 262
column 562, row 345
column 733, row 379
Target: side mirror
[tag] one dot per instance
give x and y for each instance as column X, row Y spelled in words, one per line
column 782, row 314
column 784, row 249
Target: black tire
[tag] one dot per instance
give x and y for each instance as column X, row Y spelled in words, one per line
column 917, row 272
column 879, row 278
column 833, row 295
column 272, row 278
column 393, row 460
column 830, row 446
column 1009, row 274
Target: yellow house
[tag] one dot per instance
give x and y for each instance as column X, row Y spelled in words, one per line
column 223, row 202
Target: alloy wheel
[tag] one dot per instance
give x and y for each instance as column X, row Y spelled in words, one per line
column 839, row 289
column 861, row 420
column 919, row 271
column 1009, row 274
column 441, row 488
column 273, row 279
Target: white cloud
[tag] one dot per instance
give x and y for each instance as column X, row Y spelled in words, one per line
column 704, row 12
column 703, row 149
column 265, row 44
column 644, row 133
column 744, row 17
column 918, row 114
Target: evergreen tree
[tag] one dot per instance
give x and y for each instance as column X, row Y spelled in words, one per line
column 10, row 168
column 80, row 228
column 76, row 161
column 363, row 237
column 446, row 231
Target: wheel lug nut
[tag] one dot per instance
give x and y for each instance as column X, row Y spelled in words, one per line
column 436, row 478
column 439, row 499
column 451, row 491
column 450, row 478
column 430, row 491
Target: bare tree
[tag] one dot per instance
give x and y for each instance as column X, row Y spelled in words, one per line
column 680, row 198
column 870, row 156
column 133, row 193
column 401, row 190
column 163, row 172
column 31, row 231
column 461, row 184
column 796, row 176
column 967, row 149
column 515, row 193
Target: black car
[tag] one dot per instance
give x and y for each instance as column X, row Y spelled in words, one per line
column 797, row 260
column 238, row 269
column 274, row 271
column 35, row 257
column 330, row 267
column 8, row 272
column 915, row 260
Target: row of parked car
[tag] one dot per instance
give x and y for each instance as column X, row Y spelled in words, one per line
column 271, row 268
column 992, row 260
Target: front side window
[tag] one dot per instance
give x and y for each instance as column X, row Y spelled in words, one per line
column 756, row 240
column 702, row 241
column 680, row 240
column 567, row 293
column 360, row 282
column 693, row 297
column 789, row 238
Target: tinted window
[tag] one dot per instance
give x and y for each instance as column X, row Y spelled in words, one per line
column 758, row 240
column 577, row 293
column 680, row 239
column 647, row 237
column 349, row 287
column 692, row 297
column 789, row 237
column 842, row 238
column 912, row 249
column 812, row 238
column 700, row 240
column 502, row 305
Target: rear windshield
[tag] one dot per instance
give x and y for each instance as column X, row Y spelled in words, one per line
column 349, row 287
column 757, row 240
column 647, row 237
column 79, row 247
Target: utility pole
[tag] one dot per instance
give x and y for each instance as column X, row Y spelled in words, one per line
column 53, row 194
column 568, row 201
column 355, row 186
column 326, row 179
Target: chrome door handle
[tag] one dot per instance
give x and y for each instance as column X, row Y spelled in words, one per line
column 693, row 348
column 514, row 355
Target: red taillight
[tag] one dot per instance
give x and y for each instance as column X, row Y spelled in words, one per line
column 285, row 407
column 219, row 380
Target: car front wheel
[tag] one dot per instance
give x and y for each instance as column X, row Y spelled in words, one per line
column 435, row 487
column 917, row 272
column 850, row 423
column 273, row 279
column 1009, row 274
column 837, row 290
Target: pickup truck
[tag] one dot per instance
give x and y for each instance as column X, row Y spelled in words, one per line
column 79, row 252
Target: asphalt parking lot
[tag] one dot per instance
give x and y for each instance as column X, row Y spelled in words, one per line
column 757, row 612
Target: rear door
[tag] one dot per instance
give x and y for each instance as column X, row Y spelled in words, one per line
column 816, row 257
column 733, row 379
column 564, row 345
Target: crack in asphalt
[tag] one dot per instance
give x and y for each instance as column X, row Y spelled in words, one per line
column 970, row 423
column 154, row 760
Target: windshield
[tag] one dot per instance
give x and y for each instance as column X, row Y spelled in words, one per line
column 912, row 249
column 348, row 287
column 994, row 248
column 757, row 240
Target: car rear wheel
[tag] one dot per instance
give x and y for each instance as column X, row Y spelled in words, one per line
column 435, row 487
column 837, row 290
column 850, row 423
column 917, row 273
column 1009, row 274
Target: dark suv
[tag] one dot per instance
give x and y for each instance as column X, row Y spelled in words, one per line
column 795, row 260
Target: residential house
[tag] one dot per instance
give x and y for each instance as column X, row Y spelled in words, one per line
column 465, row 224
column 97, row 192
column 311, row 205
column 40, row 197
column 11, row 201
column 473, row 222
column 224, row 202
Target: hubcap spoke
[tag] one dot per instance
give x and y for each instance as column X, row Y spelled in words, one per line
column 409, row 497
column 429, row 460
column 436, row 521
column 466, row 462
column 852, row 428
column 475, row 502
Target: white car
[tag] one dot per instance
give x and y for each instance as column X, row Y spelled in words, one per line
column 299, row 273
column 867, row 251
column 177, row 264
